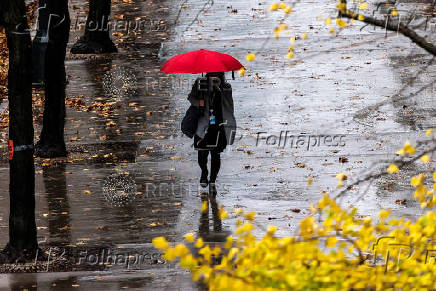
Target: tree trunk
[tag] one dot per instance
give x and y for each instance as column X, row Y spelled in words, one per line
column 96, row 39
column 54, row 21
column 22, row 228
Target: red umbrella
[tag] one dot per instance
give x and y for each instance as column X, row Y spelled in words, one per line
column 201, row 61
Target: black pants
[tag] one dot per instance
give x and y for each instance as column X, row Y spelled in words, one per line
column 215, row 163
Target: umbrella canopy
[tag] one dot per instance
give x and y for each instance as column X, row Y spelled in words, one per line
column 201, row 61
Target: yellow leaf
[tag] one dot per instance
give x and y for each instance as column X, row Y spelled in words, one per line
column 428, row 132
column 272, row 229
column 408, row 148
column 223, row 214
column 250, row 215
column 189, row 237
column 229, row 242
column 341, row 23
column 417, row 180
column 331, row 242
column 188, row 262
column 287, row 10
column 392, row 169
column 241, row 72
column 332, row 30
column 394, row 12
column 328, row 21
column 180, row 250
column 290, row 55
column 250, row 57
column 304, row 36
column 384, row 214
column 425, row 159
column 310, row 182
column 199, row 243
column 160, row 243
column 274, row 7
column 282, row 6
column 361, row 17
column 341, row 176
column 169, row 254
column 283, row 26
column 292, row 39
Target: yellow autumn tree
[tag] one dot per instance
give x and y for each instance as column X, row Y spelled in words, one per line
column 333, row 249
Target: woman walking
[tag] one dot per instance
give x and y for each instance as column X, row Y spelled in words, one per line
column 216, row 127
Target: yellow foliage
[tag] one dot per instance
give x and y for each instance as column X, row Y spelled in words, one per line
column 332, row 249
column 341, row 23
column 189, row 237
column 392, row 169
column 250, row 57
column 274, row 7
column 250, row 215
column 287, row 10
column 425, row 159
column 160, row 243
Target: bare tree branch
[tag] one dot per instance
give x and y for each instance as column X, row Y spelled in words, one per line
column 396, row 26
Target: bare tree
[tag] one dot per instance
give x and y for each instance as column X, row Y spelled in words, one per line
column 96, row 39
column 22, row 227
column 54, row 26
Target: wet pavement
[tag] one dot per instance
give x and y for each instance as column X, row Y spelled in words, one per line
column 344, row 104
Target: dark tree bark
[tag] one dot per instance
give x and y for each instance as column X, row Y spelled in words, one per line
column 54, row 20
column 96, row 39
column 22, row 228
